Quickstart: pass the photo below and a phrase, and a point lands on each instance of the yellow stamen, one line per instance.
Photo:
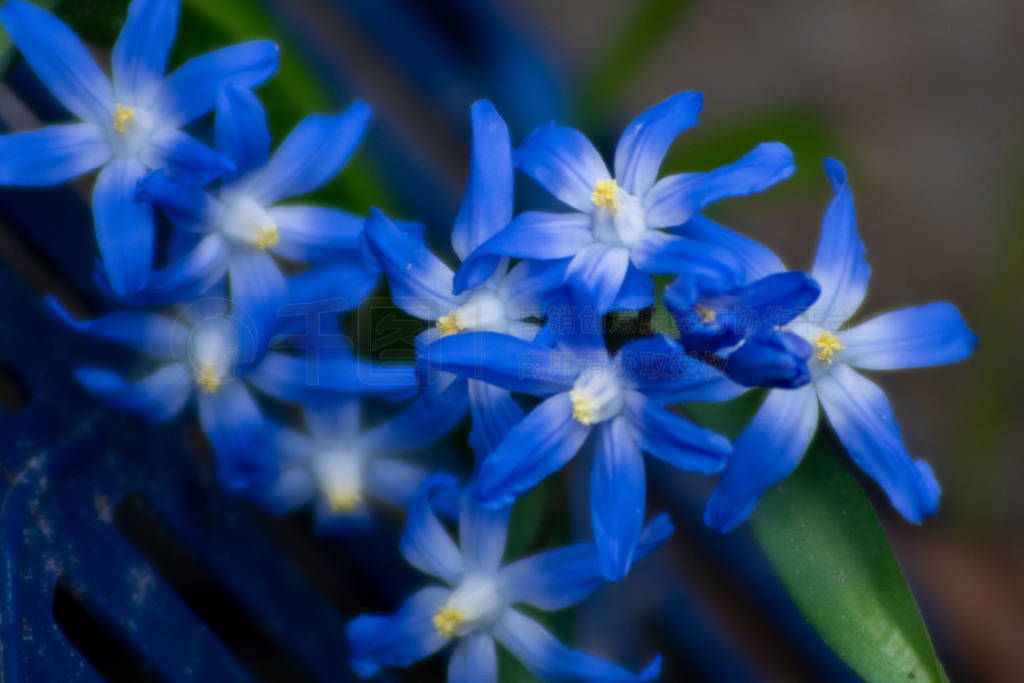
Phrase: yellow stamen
(606, 195)
(707, 315)
(583, 409)
(122, 117)
(447, 620)
(449, 324)
(343, 501)
(209, 380)
(266, 237)
(828, 345)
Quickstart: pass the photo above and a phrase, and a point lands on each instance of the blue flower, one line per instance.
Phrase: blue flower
(617, 402)
(242, 223)
(475, 607)
(614, 240)
(501, 301)
(341, 465)
(127, 127)
(775, 441)
(217, 355)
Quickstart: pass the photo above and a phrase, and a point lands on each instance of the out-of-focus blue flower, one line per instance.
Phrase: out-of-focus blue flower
(215, 353)
(775, 441)
(618, 402)
(614, 241)
(503, 298)
(475, 607)
(126, 127)
(341, 466)
(242, 223)
(742, 327)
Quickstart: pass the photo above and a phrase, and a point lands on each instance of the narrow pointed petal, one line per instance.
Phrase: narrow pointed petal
(636, 293)
(293, 488)
(239, 435)
(52, 155)
(711, 267)
(839, 266)
(185, 158)
(325, 375)
(124, 227)
(863, 419)
(546, 439)
(618, 496)
(548, 659)
(141, 51)
(313, 233)
(425, 543)
(487, 205)
(662, 370)
(191, 90)
(503, 360)
(332, 288)
(646, 140)
(61, 61)
(758, 261)
(150, 333)
(674, 439)
(527, 285)
(596, 275)
(156, 398)
(565, 162)
(474, 660)
(530, 235)
(311, 155)
(400, 639)
(393, 481)
(675, 199)
(482, 533)
(421, 284)
(241, 129)
(774, 359)
(258, 292)
(767, 451)
(421, 423)
(194, 274)
(186, 205)
(922, 336)
(494, 412)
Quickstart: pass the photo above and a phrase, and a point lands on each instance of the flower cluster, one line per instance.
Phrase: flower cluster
(234, 319)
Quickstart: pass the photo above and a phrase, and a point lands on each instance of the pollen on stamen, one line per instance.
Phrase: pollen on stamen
(209, 380)
(583, 409)
(449, 324)
(123, 116)
(447, 619)
(606, 195)
(828, 345)
(266, 237)
(343, 501)
(707, 315)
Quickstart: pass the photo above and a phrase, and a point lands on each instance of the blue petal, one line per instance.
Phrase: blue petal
(487, 205)
(675, 199)
(190, 276)
(150, 333)
(185, 204)
(340, 421)
(184, 157)
(922, 336)
(426, 544)
(140, 54)
(565, 162)
(636, 293)
(124, 227)
(767, 451)
(258, 292)
(530, 235)
(674, 439)
(494, 413)
(758, 261)
(503, 360)
(421, 423)
(311, 155)
(401, 639)
(156, 398)
(316, 297)
(546, 439)
(293, 488)
(774, 359)
(560, 578)
(618, 496)
(646, 140)
(238, 433)
(421, 285)
(474, 660)
(312, 233)
(864, 422)
(710, 266)
(61, 61)
(596, 275)
(317, 377)
(191, 90)
(241, 129)
(661, 370)
(482, 533)
(548, 659)
(51, 155)
(392, 481)
(839, 266)
(526, 286)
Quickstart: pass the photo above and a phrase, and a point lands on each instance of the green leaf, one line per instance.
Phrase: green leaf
(822, 535)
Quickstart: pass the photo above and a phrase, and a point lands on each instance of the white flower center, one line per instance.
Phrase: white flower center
(246, 222)
(213, 352)
(826, 343)
(618, 219)
(597, 395)
(130, 130)
(339, 473)
(484, 311)
(476, 604)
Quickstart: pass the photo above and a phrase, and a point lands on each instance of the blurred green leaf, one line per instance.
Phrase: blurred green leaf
(827, 545)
